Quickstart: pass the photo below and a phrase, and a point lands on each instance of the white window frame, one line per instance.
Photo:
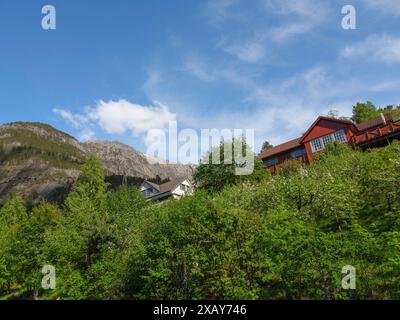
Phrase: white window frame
(340, 136)
(316, 145)
(320, 143)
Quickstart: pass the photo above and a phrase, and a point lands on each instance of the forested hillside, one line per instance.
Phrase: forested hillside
(286, 236)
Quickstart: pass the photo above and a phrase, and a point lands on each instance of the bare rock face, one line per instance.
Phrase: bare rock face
(38, 161)
(121, 159)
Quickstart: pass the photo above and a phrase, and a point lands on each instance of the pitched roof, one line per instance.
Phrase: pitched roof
(154, 185)
(292, 144)
(323, 118)
(168, 186)
(380, 120)
(171, 185)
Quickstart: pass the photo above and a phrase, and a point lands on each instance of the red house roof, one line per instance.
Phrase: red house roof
(292, 144)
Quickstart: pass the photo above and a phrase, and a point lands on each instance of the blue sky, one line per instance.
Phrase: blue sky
(115, 69)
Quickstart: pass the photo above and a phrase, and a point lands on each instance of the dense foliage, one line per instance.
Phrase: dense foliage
(367, 111)
(219, 167)
(282, 237)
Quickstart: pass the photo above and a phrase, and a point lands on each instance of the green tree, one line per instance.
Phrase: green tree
(28, 245)
(12, 215)
(78, 241)
(364, 112)
(394, 111)
(266, 146)
(197, 248)
(218, 168)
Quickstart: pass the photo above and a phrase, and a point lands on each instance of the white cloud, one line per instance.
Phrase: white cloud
(118, 117)
(380, 48)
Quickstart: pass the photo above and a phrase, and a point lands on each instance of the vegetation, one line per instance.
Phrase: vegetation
(266, 146)
(282, 237)
(218, 168)
(19, 145)
(367, 111)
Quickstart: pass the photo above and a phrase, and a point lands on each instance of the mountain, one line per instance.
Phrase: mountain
(38, 161)
(121, 159)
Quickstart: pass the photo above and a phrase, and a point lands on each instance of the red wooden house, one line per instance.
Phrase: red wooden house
(374, 133)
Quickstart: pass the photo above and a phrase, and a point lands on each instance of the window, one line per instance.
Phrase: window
(340, 136)
(327, 139)
(148, 192)
(316, 145)
(320, 143)
(298, 153)
(270, 162)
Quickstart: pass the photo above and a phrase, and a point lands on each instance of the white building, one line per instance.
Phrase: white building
(175, 189)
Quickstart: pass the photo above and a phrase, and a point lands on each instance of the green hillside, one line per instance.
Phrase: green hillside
(287, 236)
(20, 141)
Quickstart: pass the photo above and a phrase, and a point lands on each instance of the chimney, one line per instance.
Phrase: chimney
(383, 118)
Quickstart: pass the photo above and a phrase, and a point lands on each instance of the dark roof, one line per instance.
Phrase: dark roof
(376, 122)
(168, 186)
(154, 185)
(171, 185)
(292, 144)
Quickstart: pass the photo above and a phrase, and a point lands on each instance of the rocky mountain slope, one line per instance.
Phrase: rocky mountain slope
(121, 159)
(37, 160)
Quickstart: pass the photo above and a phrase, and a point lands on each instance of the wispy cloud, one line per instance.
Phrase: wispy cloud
(276, 23)
(299, 16)
(152, 81)
(380, 48)
(391, 7)
(386, 86)
(79, 122)
(291, 103)
(198, 68)
(76, 120)
(218, 11)
(251, 50)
